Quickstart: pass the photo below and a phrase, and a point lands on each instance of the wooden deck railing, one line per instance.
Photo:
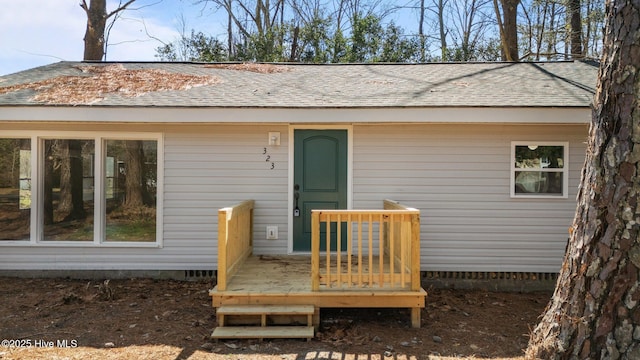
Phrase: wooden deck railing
(382, 248)
(235, 239)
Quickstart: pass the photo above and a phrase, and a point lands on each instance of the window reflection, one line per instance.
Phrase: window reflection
(539, 157)
(68, 190)
(15, 189)
(539, 169)
(131, 190)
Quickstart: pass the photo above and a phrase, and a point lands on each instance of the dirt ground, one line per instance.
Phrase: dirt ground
(161, 319)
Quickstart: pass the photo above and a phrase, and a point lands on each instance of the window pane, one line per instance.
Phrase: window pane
(15, 189)
(539, 157)
(68, 190)
(538, 182)
(131, 190)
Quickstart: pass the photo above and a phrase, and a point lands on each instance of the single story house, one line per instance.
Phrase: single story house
(123, 166)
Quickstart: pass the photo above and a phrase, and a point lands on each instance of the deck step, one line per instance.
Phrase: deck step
(261, 332)
(267, 314)
(266, 309)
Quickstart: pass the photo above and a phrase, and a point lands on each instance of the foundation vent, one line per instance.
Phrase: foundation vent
(199, 274)
(475, 275)
(494, 281)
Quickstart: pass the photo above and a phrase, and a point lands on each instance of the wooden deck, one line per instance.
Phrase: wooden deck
(379, 269)
(284, 280)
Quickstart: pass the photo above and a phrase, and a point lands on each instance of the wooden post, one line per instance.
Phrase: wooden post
(381, 231)
(315, 250)
(222, 249)
(359, 250)
(349, 249)
(415, 252)
(392, 260)
(403, 245)
(370, 250)
(338, 249)
(328, 249)
(415, 317)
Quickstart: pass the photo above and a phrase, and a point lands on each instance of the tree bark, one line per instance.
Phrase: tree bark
(576, 29)
(594, 312)
(508, 27)
(421, 33)
(443, 32)
(94, 43)
(65, 204)
(94, 34)
(133, 183)
(510, 13)
(232, 51)
(71, 173)
(48, 186)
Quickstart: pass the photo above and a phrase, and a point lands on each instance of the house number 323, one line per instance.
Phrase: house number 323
(272, 164)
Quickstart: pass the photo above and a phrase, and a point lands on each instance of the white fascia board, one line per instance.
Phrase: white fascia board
(510, 115)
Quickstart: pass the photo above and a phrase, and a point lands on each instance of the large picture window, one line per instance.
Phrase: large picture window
(80, 189)
(539, 169)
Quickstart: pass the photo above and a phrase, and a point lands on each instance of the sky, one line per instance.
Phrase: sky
(40, 32)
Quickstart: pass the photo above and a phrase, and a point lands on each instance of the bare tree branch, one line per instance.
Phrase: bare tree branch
(119, 8)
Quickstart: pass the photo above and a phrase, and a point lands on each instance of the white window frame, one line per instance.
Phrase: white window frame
(99, 224)
(564, 170)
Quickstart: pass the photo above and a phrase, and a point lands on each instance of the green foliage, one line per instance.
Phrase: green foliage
(396, 47)
(339, 45)
(371, 42)
(198, 47)
(366, 36)
(267, 46)
(486, 51)
(315, 43)
(355, 31)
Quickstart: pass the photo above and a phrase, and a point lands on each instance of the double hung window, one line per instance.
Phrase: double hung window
(539, 169)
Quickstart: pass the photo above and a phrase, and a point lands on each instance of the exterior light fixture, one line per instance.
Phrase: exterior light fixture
(274, 138)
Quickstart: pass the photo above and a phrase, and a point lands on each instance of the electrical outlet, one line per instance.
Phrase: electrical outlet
(272, 232)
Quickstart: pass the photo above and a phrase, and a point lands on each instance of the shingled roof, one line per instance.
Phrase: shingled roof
(552, 84)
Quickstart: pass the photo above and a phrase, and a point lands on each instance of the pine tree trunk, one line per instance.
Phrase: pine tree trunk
(65, 203)
(421, 33)
(231, 54)
(510, 12)
(576, 29)
(76, 181)
(508, 27)
(594, 312)
(48, 187)
(443, 33)
(133, 182)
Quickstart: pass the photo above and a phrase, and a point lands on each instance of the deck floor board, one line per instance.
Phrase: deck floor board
(288, 274)
(269, 274)
(286, 280)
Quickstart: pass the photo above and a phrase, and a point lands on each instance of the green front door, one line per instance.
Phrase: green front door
(320, 180)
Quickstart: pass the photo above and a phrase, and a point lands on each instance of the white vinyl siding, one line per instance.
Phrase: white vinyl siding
(459, 177)
(211, 167)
